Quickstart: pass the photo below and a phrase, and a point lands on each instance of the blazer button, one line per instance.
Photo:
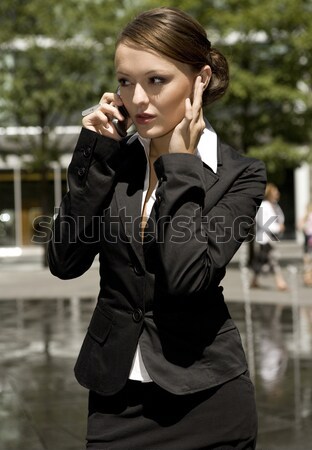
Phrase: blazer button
(137, 315)
(81, 171)
(137, 270)
(87, 152)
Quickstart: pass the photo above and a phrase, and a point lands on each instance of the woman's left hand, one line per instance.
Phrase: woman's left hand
(186, 134)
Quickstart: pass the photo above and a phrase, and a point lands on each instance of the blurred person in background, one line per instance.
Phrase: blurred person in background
(270, 225)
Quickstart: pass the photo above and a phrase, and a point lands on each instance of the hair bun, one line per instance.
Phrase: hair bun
(220, 76)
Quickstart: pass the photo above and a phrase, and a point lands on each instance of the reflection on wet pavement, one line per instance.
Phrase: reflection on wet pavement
(41, 404)
(283, 361)
(43, 407)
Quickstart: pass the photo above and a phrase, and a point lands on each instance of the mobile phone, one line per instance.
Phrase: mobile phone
(121, 125)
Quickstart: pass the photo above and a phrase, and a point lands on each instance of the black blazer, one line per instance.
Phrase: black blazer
(164, 292)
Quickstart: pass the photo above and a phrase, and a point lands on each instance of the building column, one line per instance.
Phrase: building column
(302, 194)
(57, 184)
(18, 206)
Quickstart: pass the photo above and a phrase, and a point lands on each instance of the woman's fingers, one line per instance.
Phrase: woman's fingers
(99, 118)
(188, 132)
(198, 97)
(110, 102)
(198, 116)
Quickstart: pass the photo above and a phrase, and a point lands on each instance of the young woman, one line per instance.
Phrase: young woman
(270, 225)
(165, 208)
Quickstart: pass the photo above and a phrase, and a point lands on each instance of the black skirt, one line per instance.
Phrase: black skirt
(143, 416)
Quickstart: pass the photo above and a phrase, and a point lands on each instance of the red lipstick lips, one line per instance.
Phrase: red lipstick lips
(143, 119)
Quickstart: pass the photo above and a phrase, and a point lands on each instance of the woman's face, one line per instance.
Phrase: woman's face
(153, 88)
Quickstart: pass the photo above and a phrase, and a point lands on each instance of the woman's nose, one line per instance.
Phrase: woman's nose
(139, 95)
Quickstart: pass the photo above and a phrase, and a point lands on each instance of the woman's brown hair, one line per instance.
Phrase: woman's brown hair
(175, 34)
(270, 191)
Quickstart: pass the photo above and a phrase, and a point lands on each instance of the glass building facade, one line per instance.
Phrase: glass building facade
(24, 196)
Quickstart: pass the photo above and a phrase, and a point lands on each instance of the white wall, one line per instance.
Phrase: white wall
(302, 193)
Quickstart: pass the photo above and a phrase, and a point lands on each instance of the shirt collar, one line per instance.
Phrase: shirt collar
(206, 148)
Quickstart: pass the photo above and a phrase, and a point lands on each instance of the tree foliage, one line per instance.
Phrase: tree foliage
(267, 110)
(57, 57)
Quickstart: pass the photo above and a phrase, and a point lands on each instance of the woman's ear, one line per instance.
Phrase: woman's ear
(205, 74)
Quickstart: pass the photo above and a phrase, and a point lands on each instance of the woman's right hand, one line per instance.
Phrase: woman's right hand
(100, 120)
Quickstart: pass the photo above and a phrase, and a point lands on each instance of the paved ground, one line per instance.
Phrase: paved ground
(24, 277)
(43, 321)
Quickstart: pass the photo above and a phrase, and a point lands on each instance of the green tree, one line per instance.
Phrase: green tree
(267, 111)
(56, 58)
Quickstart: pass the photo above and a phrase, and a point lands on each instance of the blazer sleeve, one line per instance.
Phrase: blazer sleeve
(75, 234)
(195, 245)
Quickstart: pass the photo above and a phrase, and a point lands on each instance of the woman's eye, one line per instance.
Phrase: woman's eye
(123, 82)
(157, 80)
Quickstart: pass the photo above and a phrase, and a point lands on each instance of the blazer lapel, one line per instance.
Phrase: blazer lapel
(150, 231)
(129, 190)
(211, 178)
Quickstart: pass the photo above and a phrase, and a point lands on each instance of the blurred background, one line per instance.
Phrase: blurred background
(56, 59)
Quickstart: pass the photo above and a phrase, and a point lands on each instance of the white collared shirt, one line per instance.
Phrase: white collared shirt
(207, 151)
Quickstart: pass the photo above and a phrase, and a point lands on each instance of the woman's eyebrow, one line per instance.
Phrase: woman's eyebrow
(121, 72)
